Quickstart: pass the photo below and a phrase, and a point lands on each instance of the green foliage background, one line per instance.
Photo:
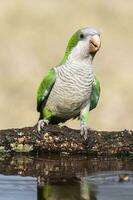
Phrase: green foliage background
(33, 38)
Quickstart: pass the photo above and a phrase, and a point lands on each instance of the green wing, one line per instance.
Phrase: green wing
(95, 94)
(45, 88)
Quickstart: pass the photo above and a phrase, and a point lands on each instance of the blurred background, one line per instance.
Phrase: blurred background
(33, 38)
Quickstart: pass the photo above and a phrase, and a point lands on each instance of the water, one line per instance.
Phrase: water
(17, 187)
(101, 186)
(65, 178)
(109, 186)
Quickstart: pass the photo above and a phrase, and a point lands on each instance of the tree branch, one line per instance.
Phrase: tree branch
(55, 139)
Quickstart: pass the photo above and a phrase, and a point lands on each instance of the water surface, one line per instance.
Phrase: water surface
(17, 187)
(65, 177)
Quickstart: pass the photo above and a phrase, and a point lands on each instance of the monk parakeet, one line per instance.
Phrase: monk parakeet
(70, 90)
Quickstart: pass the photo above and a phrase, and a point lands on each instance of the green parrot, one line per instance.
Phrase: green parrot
(70, 90)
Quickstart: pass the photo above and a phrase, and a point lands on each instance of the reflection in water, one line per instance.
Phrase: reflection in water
(100, 186)
(68, 177)
(55, 168)
(72, 189)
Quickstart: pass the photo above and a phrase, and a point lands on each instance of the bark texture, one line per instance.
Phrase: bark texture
(55, 139)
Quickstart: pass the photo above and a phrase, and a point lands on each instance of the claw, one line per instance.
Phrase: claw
(84, 131)
(41, 124)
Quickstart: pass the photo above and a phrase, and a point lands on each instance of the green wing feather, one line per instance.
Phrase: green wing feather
(45, 88)
(95, 94)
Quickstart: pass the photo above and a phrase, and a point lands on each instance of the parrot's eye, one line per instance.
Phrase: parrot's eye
(82, 36)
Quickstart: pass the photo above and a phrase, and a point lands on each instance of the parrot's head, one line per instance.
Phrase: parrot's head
(83, 44)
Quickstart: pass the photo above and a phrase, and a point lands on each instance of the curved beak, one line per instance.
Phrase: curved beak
(95, 43)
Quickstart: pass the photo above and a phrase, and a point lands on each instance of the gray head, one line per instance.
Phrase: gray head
(83, 43)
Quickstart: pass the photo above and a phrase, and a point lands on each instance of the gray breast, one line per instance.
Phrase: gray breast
(71, 91)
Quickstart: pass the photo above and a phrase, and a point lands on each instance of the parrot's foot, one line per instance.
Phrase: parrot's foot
(84, 131)
(41, 124)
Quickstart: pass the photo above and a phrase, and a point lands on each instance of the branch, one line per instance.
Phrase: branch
(56, 139)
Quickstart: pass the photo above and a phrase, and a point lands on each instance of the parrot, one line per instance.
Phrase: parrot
(71, 89)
